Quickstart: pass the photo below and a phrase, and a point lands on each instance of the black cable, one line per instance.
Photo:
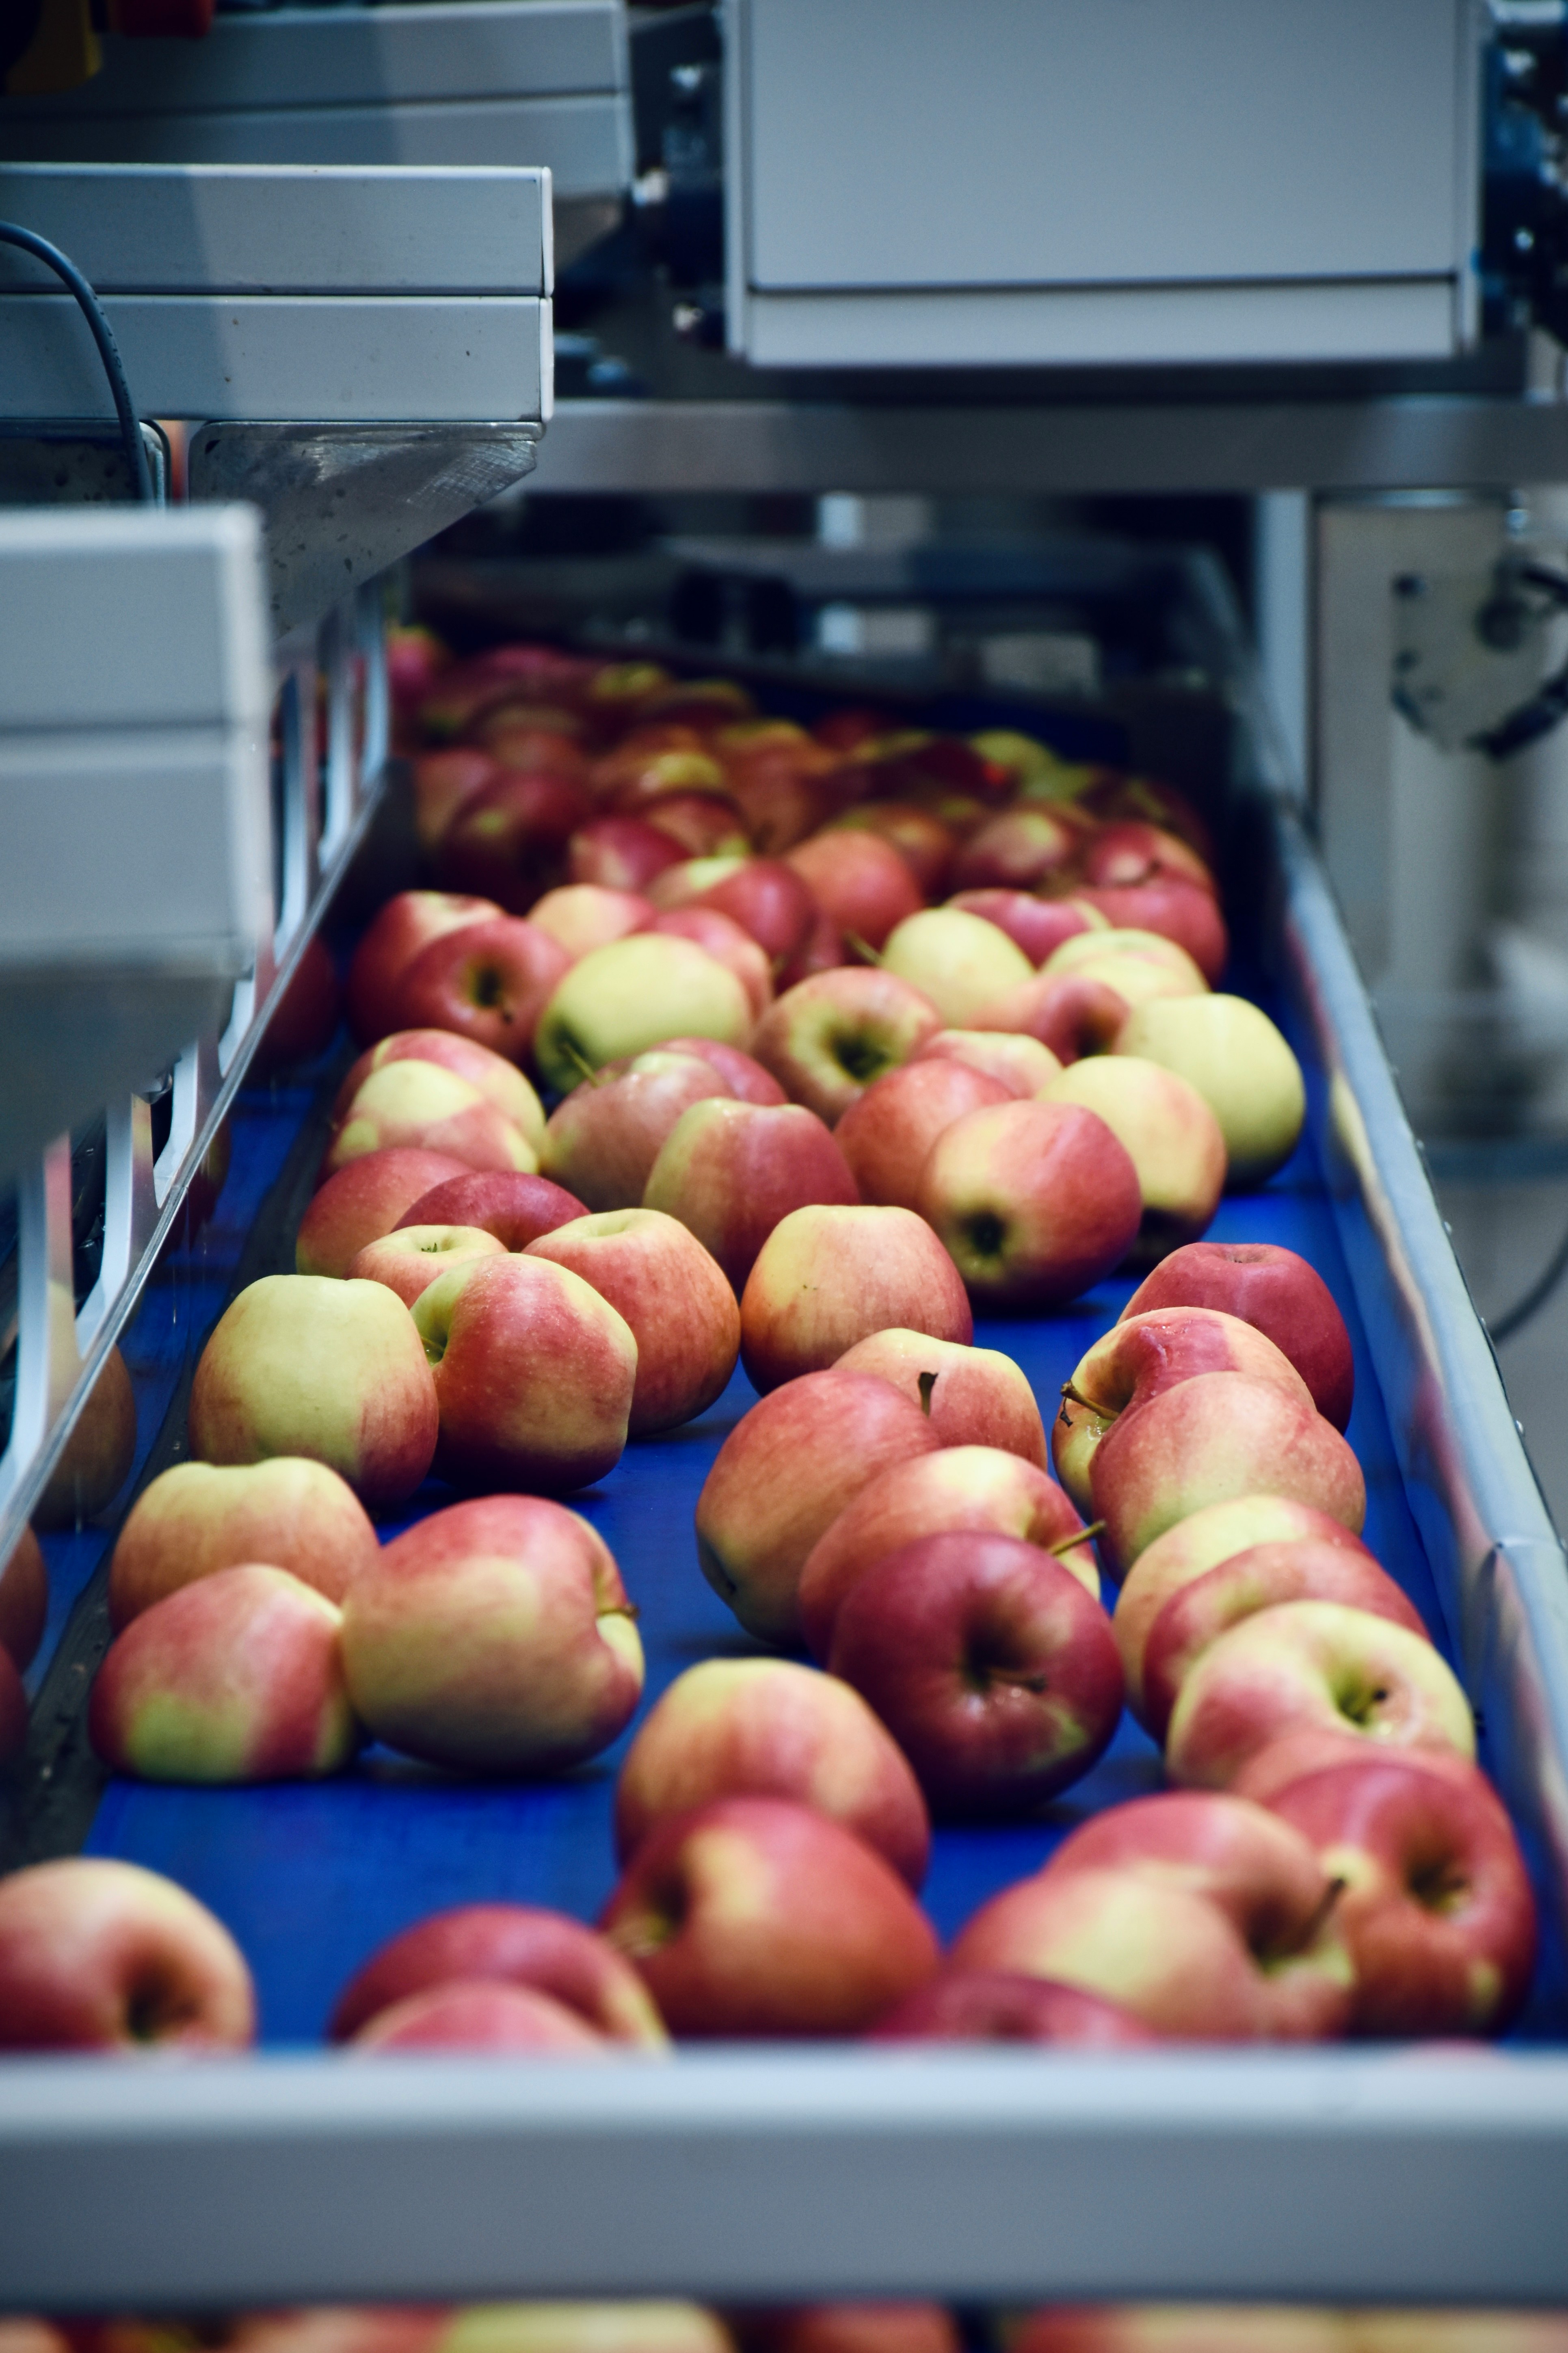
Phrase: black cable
(1531, 1301)
(108, 350)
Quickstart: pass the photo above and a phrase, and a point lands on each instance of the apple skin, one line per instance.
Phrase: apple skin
(1313, 1748)
(1004, 2006)
(697, 825)
(853, 2328)
(1033, 1201)
(495, 1637)
(101, 1446)
(584, 915)
(603, 1140)
(405, 925)
(1069, 1013)
(1273, 1289)
(501, 1080)
(509, 838)
(978, 1396)
(1230, 1051)
(768, 899)
(1021, 1064)
(1436, 1909)
(757, 1518)
(443, 781)
(824, 949)
(746, 1079)
(299, 1363)
(1313, 1664)
(1018, 850)
(486, 981)
(235, 1678)
(533, 1375)
(24, 1600)
(420, 1107)
(974, 1490)
(1258, 1580)
(732, 1171)
(411, 1258)
(751, 1916)
(1139, 966)
(826, 1277)
(1218, 1436)
(770, 1729)
(1179, 911)
(1171, 1136)
(619, 854)
(722, 938)
(674, 1298)
(303, 1021)
(859, 882)
(102, 1956)
(618, 2328)
(1235, 2328)
(506, 1944)
(961, 961)
(1130, 852)
(926, 845)
(15, 1714)
(364, 1200)
(513, 1206)
(1038, 926)
(885, 1136)
(196, 1518)
(827, 1037)
(622, 999)
(458, 2016)
(988, 1662)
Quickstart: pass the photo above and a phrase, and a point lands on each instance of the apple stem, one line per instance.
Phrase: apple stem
(863, 948)
(1078, 1535)
(927, 1383)
(1319, 1919)
(1078, 1398)
(592, 1077)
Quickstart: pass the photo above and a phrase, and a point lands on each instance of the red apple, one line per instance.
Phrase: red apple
(508, 839)
(921, 840)
(855, 2329)
(364, 1200)
(621, 999)
(1130, 850)
(972, 1397)
(698, 825)
(826, 1277)
(499, 1080)
(1035, 1201)
(1018, 850)
(303, 1021)
(602, 1142)
(481, 2017)
(675, 1302)
(732, 1171)
(418, 1106)
(486, 981)
(195, 1518)
(751, 1916)
(443, 781)
(824, 949)
(514, 1208)
(24, 1600)
(1273, 1289)
(100, 1956)
(1038, 926)
(825, 1040)
(1003, 2005)
(411, 1258)
(1071, 1013)
(1171, 1135)
(14, 1711)
(1313, 1748)
(405, 926)
(102, 1447)
(619, 854)
(505, 1944)
(746, 1079)
(859, 882)
(1022, 1065)
(727, 944)
(887, 1134)
(1185, 912)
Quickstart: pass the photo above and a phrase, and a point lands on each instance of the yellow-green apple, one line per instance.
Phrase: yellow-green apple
(1313, 1664)
(302, 1020)
(604, 1137)
(533, 1374)
(1038, 926)
(859, 882)
(1005, 2006)
(301, 1364)
(405, 926)
(722, 938)
(495, 1636)
(1018, 850)
(1171, 1135)
(584, 915)
(480, 2016)
(826, 1277)
(1298, 1569)
(411, 1258)
(619, 854)
(620, 1000)
(487, 981)
(770, 1729)
(1230, 1051)
(732, 1171)
(674, 1297)
(514, 1208)
(509, 838)
(1137, 1360)
(753, 1916)
(620, 2327)
(237, 1677)
(1278, 1291)
(926, 845)
(959, 961)
(972, 1489)
(420, 1107)
(102, 1447)
(1033, 1201)
(364, 1200)
(195, 1518)
(1069, 1013)
(494, 1076)
(759, 1515)
(1435, 1905)
(885, 1136)
(972, 1397)
(505, 1944)
(1021, 1064)
(1183, 912)
(1219, 1435)
(100, 1956)
(829, 1036)
(993, 1669)
(748, 1082)
(766, 897)
(855, 2329)
(1215, 1533)
(1139, 966)
(24, 1600)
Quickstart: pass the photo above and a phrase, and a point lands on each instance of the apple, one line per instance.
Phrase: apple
(770, 1729)
(24, 1600)
(533, 1375)
(1436, 1904)
(364, 1200)
(301, 1364)
(1230, 1051)
(102, 1447)
(411, 1258)
(1312, 1748)
(993, 1669)
(486, 981)
(782, 801)
(405, 926)
(1004, 2006)
(621, 2328)
(972, 1397)
(584, 915)
(101, 1955)
(1171, 1135)
(827, 1037)
(501, 1080)
(1021, 1064)
(648, 777)
(766, 896)
(459, 2016)
(859, 882)
(746, 1079)
(676, 1301)
(1033, 1201)
(14, 1715)
(198, 1518)
(1068, 1012)
(698, 825)
(1235, 2328)
(1273, 1288)
(234, 1678)
(827, 1276)
(1129, 851)
(855, 2329)
(302, 1020)
(508, 841)
(824, 949)
(751, 1916)
(758, 1518)
(1183, 912)
(1038, 926)
(958, 960)
(1307, 1665)
(619, 854)
(886, 1135)
(732, 1171)
(724, 940)
(1018, 849)
(1139, 966)
(1218, 1435)
(620, 1000)
(443, 781)
(513, 1206)
(971, 1489)
(921, 840)
(1259, 1578)
(422, 1107)
(603, 1140)
(495, 1637)
(505, 1944)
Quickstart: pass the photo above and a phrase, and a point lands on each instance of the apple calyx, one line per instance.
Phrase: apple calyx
(926, 1384)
